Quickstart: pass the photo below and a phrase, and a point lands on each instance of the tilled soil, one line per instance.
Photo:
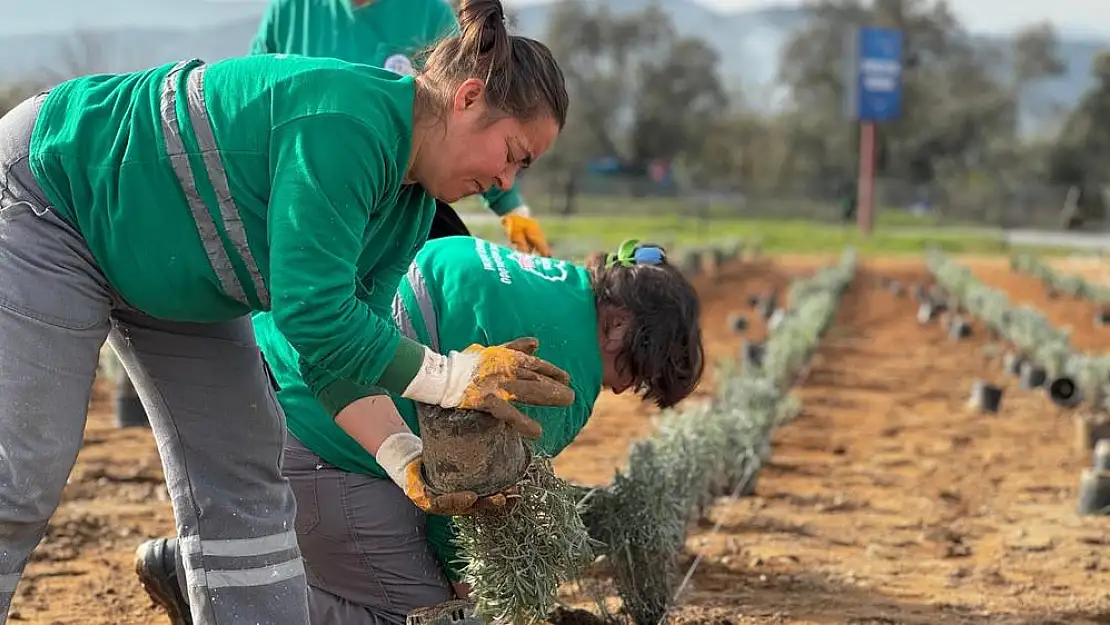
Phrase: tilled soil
(886, 501)
(889, 501)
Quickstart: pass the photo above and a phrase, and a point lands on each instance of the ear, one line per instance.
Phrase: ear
(614, 325)
(469, 95)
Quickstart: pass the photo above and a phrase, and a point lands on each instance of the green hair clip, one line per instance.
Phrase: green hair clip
(631, 253)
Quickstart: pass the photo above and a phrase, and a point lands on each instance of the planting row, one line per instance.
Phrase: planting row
(706, 451)
(1044, 357)
(1035, 340)
(1056, 283)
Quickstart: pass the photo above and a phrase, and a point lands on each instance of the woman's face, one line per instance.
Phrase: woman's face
(477, 151)
(612, 324)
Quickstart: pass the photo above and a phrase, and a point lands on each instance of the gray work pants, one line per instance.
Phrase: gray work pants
(365, 549)
(364, 545)
(218, 426)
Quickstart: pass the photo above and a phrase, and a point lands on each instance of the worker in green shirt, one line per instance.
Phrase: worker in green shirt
(384, 33)
(390, 34)
(371, 556)
(165, 206)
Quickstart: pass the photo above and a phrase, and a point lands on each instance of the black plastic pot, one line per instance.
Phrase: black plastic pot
(768, 305)
(130, 412)
(1012, 363)
(454, 612)
(1032, 376)
(737, 323)
(1064, 392)
(469, 450)
(1102, 317)
(926, 312)
(958, 328)
(1090, 428)
(1102, 455)
(1094, 492)
(752, 352)
(985, 397)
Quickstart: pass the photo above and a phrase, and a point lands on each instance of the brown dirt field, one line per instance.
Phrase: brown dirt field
(1095, 268)
(885, 502)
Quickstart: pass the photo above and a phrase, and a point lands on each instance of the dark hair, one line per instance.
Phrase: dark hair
(663, 348)
(523, 79)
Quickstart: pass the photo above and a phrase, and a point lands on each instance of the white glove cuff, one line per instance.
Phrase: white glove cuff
(522, 210)
(396, 452)
(442, 380)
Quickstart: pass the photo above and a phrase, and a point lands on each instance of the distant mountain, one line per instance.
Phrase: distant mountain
(66, 16)
(96, 38)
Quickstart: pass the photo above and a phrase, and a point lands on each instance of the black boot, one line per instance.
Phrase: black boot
(156, 566)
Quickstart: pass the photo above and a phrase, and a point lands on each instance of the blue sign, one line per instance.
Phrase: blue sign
(875, 74)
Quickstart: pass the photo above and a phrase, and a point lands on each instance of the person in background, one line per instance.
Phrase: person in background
(161, 208)
(391, 34)
(631, 322)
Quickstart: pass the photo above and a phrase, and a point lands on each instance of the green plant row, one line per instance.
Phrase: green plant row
(1071, 284)
(1025, 327)
(705, 451)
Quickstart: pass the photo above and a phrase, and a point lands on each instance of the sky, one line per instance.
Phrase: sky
(1073, 17)
(991, 16)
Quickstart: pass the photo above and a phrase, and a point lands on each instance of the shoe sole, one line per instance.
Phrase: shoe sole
(159, 591)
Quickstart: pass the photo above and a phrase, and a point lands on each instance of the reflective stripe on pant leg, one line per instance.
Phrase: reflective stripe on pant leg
(221, 432)
(206, 227)
(229, 212)
(424, 302)
(242, 562)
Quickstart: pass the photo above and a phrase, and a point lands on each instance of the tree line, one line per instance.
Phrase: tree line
(643, 93)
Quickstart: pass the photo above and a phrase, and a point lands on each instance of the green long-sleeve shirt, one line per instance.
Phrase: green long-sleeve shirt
(382, 33)
(206, 192)
(460, 291)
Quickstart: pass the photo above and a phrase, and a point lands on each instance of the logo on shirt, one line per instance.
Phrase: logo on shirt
(550, 269)
(494, 259)
(399, 64)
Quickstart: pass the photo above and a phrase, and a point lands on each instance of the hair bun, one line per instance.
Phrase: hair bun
(483, 23)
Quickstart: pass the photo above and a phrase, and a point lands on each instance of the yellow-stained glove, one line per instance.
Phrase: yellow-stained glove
(401, 455)
(524, 232)
(453, 504)
(488, 378)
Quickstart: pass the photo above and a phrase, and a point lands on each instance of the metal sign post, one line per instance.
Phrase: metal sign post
(874, 96)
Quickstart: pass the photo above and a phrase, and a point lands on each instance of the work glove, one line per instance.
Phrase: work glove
(509, 372)
(401, 455)
(524, 232)
(488, 378)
